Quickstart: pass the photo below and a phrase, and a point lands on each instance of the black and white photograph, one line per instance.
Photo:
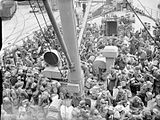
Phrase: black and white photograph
(80, 59)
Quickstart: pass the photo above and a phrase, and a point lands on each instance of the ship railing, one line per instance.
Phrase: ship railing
(152, 13)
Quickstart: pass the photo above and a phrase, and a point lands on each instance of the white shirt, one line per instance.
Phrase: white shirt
(66, 112)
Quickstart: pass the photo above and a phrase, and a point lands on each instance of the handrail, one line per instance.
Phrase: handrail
(150, 11)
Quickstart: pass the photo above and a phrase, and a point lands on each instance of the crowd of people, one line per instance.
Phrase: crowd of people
(130, 91)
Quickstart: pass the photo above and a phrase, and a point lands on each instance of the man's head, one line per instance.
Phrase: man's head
(123, 83)
(149, 96)
(136, 101)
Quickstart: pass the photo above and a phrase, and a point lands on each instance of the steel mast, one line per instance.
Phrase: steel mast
(67, 16)
(69, 43)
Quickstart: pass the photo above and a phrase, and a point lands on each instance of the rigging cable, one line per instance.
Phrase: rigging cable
(38, 23)
(139, 19)
(44, 18)
(145, 9)
(42, 13)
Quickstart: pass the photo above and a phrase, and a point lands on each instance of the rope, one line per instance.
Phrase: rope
(42, 13)
(139, 19)
(145, 8)
(38, 23)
